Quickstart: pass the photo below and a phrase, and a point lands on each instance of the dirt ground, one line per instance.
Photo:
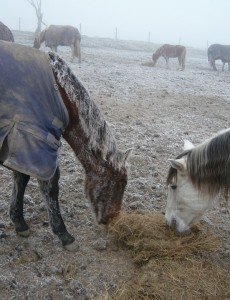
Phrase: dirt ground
(151, 110)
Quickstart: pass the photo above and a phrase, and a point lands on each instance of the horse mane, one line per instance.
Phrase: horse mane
(208, 165)
(100, 139)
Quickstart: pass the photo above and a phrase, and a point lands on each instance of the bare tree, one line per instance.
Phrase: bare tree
(37, 5)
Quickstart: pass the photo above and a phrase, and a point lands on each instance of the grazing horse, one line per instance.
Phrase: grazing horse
(5, 33)
(217, 51)
(195, 179)
(41, 101)
(168, 51)
(60, 35)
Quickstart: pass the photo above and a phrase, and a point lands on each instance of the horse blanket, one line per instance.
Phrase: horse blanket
(32, 114)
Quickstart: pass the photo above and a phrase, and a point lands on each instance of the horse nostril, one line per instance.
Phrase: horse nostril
(173, 224)
(103, 222)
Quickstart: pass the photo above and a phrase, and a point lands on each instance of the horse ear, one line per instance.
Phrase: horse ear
(127, 154)
(178, 164)
(188, 145)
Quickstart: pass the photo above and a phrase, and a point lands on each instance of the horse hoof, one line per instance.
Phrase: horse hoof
(24, 233)
(71, 247)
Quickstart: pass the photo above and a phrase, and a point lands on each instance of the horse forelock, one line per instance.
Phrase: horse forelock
(208, 164)
(101, 141)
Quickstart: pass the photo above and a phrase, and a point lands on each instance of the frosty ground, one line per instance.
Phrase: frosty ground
(151, 110)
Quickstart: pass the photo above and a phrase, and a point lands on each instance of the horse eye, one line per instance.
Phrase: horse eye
(173, 186)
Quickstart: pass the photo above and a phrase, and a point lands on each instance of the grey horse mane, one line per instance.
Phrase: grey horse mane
(101, 141)
(208, 165)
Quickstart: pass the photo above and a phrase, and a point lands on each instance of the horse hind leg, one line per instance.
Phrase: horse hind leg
(50, 191)
(73, 54)
(183, 64)
(16, 206)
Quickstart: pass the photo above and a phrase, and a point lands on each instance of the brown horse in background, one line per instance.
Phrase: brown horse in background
(60, 35)
(173, 51)
(5, 33)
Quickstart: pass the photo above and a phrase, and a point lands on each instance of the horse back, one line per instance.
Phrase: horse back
(174, 50)
(218, 51)
(61, 35)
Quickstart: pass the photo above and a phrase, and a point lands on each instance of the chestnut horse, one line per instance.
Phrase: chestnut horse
(173, 51)
(60, 35)
(195, 179)
(29, 80)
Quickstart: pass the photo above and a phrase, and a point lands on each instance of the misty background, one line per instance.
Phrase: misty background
(195, 23)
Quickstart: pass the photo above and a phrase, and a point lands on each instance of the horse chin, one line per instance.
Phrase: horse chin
(178, 225)
(105, 218)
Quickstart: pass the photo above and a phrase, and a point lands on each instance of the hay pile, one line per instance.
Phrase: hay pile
(147, 236)
(148, 64)
(168, 266)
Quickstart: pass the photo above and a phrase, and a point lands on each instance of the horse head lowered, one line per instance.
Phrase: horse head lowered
(195, 179)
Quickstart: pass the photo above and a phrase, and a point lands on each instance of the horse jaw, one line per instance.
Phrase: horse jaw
(185, 203)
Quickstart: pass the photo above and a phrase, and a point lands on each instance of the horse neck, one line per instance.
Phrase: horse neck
(77, 139)
(157, 54)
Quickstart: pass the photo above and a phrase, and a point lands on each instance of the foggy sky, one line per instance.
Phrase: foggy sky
(189, 22)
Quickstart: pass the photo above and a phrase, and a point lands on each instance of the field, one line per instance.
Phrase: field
(151, 110)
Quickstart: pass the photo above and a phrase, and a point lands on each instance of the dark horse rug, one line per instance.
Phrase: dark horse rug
(32, 114)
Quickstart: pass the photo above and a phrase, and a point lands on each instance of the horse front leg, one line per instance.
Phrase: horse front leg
(16, 206)
(214, 65)
(50, 191)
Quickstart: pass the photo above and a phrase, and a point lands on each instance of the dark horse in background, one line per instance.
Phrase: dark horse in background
(171, 51)
(219, 52)
(60, 35)
(5, 33)
(41, 101)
